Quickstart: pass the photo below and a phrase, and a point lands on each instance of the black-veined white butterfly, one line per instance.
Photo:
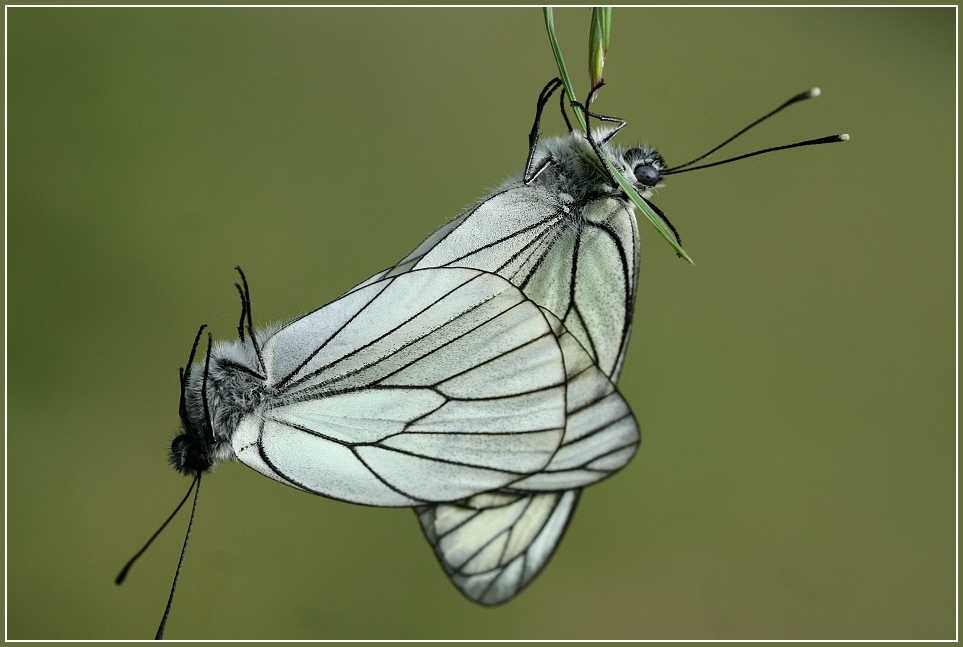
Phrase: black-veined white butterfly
(566, 235)
(435, 385)
(431, 386)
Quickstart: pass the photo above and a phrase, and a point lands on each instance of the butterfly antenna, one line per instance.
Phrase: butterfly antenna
(830, 139)
(183, 373)
(530, 171)
(802, 96)
(123, 572)
(180, 562)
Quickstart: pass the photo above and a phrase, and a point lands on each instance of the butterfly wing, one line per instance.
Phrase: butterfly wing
(493, 545)
(431, 386)
(579, 264)
(601, 434)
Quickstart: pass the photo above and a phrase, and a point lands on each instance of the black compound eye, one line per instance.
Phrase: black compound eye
(647, 174)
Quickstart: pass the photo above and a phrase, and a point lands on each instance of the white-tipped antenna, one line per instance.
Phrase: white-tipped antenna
(802, 96)
(830, 139)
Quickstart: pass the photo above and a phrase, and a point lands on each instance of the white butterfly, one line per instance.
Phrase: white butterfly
(431, 386)
(435, 385)
(566, 235)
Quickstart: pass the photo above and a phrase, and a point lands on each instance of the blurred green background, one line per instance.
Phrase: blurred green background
(795, 388)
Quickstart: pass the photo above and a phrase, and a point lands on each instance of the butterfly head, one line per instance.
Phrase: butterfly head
(645, 166)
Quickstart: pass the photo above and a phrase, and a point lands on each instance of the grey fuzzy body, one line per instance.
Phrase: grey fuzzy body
(236, 387)
(575, 183)
(576, 174)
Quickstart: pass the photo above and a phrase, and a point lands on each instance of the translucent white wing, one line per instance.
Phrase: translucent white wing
(493, 545)
(431, 386)
(580, 266)
(601, 434)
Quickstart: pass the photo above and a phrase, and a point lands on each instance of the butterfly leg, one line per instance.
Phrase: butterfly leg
(667, 222)
(245, 294)
(532, 171)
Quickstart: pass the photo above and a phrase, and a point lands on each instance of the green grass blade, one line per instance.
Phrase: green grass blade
(653, 217)
(562, 70)
(606, 27)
